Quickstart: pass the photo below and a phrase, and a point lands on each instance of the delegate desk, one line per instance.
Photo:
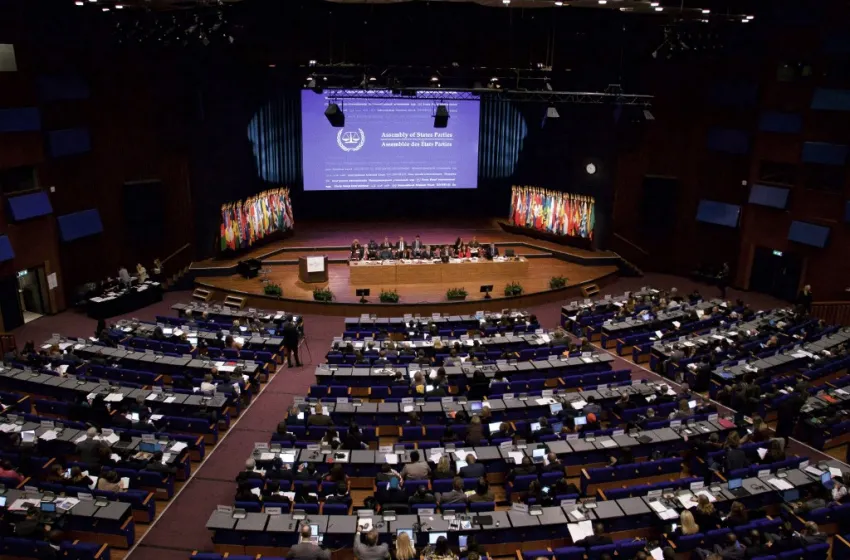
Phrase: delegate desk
(411, 322)
(663, 320)
(781, 362)
(554, 366)
(223, 312)
(433, 272)
(150, 361)
(498, 342)
(72, 389)
(125, 301)
(272, 344)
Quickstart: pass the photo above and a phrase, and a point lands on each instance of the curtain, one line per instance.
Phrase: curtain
(275, 132)
(501, 136)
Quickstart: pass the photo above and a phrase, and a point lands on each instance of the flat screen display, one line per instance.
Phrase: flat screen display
(29, 206)
(808, 234)
(719, 213)
(79, 224)
(775, 197)
(388, 142)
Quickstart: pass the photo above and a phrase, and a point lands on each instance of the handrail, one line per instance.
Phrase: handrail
(618, 236)
(833, 312)
(175, 253)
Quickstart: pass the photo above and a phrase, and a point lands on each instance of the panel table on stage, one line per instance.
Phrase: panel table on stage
(433, 272)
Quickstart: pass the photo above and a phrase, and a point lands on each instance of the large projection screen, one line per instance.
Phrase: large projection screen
(388, 142)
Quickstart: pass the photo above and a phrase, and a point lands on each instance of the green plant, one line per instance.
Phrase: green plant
(513, 289)
(272, 289)
(456, 293)
(323, 294)
(557, 282)
(388, 296)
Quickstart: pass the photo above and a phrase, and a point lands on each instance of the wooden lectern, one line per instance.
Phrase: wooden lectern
(313, 269)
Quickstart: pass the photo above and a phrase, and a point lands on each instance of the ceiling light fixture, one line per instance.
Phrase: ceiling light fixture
(659, 8)
(119, 6)
(603, 1)
(559, 3)
(79, 2)
(653, 4)
(751, 17)
(706, 11)
(506, 2)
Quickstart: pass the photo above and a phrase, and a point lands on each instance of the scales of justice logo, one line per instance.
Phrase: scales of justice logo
(350, 140)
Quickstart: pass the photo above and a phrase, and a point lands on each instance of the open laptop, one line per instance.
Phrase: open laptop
(409, 534)
(538, 456)
(581, 420)
(432, 537)
(736, 488)
(494, 427)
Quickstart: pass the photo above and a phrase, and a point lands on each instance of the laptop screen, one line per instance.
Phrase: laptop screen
(791, 495)
(581, 420)
(535, 426)
(538, 453)
(692, 404)
(48, 507)
(825, 477)
(555, 408)
(475, 407)
(432, 537)
(735, 483)
(494, 427)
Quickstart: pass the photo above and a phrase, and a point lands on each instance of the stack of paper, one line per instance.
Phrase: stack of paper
(579, 531)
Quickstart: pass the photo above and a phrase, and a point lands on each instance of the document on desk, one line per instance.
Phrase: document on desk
(267, 456)
(287, 457)
(517, 456)
(545, 401)
(578, 405)
(762, 451)
(170, 400)
(609, 443)
(83, 437)
(657, 506)
(708, 495)
(461, 454)
(686, 500)
(780, 484)
(812, 470)
(151, 396)
(112, 438)
(657, 553)
(391, 458)
(180, 446)
(49, 435)
(577, 514)
(114, 397)
(834, 472)
(579, 531)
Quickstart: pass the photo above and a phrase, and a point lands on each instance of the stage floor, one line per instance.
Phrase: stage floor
(540, 270)
(335, 234)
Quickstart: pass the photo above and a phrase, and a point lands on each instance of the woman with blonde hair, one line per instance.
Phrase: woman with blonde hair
(444, 468)
(705, 515)
(687, 525)
(404, 549)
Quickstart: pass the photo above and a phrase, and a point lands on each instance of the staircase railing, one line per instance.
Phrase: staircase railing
(833, 312)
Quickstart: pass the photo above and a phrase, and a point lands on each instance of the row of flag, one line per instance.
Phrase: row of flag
(554, 212)
(245, 222)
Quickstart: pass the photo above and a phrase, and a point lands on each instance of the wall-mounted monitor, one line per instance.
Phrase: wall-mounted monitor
(29, 206)
(808, 234)
(720, 213)
(79, 224)
(763, 195)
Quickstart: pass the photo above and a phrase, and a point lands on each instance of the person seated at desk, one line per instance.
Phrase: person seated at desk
(31, 527)
(505, 431)
(544, 430)
(77, 478)
(736, 458)
(705, 515)
(683, 412)
(592, 423)
(306, 549)
(491, 251)
(475, 432)
(279, 471)
(416, 469)
(687, 526)
(525, 468)
(390, 492)
(775, 453)
(422, 496)
(473, 468)
(386, 473)
(456, 495)
(482, 492)
(357, 252)
(598, 538)
(553, 464)
(401, 247)
(403, 549)
(249, 472)
(8, 471)
(319, 418)
(737, 516)
(339, 495)
(464, 252)
(444, 468)
(110, 482)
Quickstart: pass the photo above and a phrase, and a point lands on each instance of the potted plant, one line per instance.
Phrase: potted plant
(456, 294)
(388, 296)
(272, 289)
(513, 289)
(323, 294)
(557, 282)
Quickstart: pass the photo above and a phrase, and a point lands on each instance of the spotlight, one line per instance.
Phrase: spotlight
(506, 2)
(105, 9)
(706, 11)
(312, 63)
(659, 8)
(119, 6)
(552, 113)
(559, 3)
(441, 117)
(79, 2)
(603, 1)
(751, 17)
(653, 4)
(591, 169)
(435, 79)
(335, 115)
(647, 115)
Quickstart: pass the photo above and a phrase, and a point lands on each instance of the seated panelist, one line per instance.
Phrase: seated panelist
(386, 244)
(356, 251)
(401, 246)
(417, 244)
(373, 249)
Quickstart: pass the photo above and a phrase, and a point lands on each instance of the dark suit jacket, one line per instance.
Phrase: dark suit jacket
(308, 551)
(475, 470)
(594, 540)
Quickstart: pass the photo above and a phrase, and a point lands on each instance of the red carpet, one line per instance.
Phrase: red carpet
(182, 528)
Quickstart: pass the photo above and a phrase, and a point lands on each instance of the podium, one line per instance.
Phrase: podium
(313, 269)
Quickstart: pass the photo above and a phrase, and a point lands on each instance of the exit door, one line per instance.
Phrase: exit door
(776, 273)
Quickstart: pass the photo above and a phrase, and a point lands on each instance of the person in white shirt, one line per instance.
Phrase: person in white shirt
(124, 276)
(141, 272)
(207, 386)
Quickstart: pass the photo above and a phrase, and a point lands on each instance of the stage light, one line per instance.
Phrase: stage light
(119, 6)
(312, 63)
(654, 4)
(591, 169)
(659, 8)
(79, 2)
(751, 17)
(648, 115)
(435, 79)
(506, 2)
(552, 112)
(706, 11)
(105, 9)
(335, 115)
(559, 3)
(603, 1)
(441, 117)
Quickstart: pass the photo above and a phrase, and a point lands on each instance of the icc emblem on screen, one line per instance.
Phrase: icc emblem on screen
(350, 140)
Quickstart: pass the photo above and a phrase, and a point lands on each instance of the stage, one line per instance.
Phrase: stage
(540, 261)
